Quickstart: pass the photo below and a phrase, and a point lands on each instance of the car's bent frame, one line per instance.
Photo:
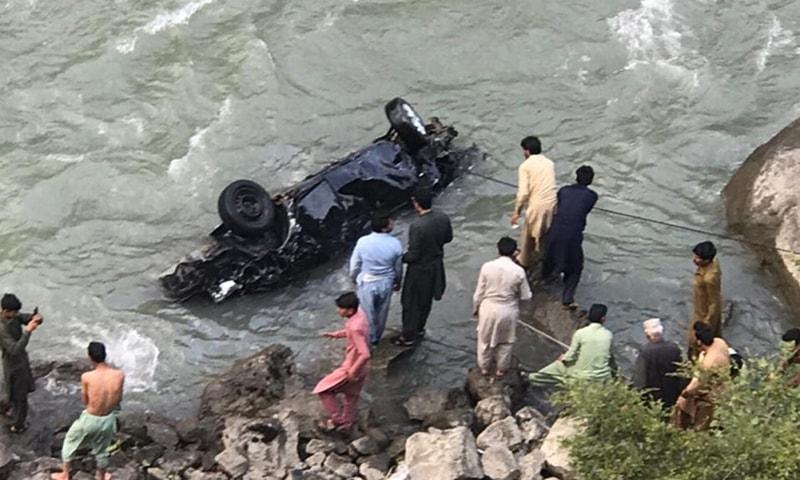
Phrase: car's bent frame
(265, 242)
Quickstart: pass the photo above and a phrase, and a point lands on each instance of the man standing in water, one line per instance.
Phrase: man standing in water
(564, 252)
(425, 277)
(349, 378)
(15, 332)
(101, 392)
(536, 190)
(376, 267)
(501, 285)
(707, 293)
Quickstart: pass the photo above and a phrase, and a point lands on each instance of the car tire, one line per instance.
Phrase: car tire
(408, 124)
(246, 208)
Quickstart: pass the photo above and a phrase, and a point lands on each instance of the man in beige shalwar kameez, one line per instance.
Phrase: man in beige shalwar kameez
(501, 285)
(536, 194)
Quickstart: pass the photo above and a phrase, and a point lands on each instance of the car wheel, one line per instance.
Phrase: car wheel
(408, 124)
(246, 208)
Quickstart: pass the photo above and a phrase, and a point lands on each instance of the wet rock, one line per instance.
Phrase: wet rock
(7, 459)
(425, 402)
(162, 433)
(176, 461)
(481, 387)
(499, 464)
(503, 432)
(189, 431)
(443, 454)
(340, 466)
(149, 454)
(251, 386)
(531, 465)
(557, 459)
(763, 203)
(490, 410)
(38, 469)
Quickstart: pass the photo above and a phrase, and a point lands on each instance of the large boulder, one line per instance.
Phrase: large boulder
(503, 432)
(259, 445)
(531, 465)
(491, 409)
(556, 454)
(763, 203)
(251, 386)
(443, 455)
(499, 464)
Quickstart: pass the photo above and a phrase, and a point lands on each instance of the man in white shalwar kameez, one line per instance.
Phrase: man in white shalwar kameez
(536, 194)
(501, 285)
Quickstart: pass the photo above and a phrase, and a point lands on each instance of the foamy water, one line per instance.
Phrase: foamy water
(778, 39)
(162, 22)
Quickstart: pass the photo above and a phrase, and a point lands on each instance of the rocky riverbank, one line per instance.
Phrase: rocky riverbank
(763, 204)
(257, 421)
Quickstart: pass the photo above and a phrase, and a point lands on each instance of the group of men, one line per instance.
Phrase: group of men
(101, 389)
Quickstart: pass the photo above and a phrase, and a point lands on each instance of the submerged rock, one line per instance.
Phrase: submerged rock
(763, 203)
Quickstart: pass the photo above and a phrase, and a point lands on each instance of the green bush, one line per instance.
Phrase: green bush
(754, 434)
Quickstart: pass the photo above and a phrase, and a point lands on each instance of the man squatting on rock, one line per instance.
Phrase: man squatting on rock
(501, 285)
(15, 333)
(349, 378)
(101, 392)
(376, 267)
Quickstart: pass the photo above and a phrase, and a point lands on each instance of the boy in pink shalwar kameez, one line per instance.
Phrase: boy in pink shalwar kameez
(349, 378)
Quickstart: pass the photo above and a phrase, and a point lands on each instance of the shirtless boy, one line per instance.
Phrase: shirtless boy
(101, 390)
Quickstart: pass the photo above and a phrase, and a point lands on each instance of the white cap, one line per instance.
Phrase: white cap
(653, 326)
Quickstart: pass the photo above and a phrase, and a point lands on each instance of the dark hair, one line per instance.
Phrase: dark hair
(792, 335)
(698, 326)
(531, 144)
(424, 197)
(597, 312)
(584, 175)
(380, 221)
(704, 336)
(705, 250)
(97, 352)
(10, 302)
(347, 300)
(506, 246)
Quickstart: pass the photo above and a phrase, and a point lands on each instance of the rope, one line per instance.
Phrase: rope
(658, 222)
(543, 334)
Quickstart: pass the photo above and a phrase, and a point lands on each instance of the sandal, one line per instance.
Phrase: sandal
(402, 342)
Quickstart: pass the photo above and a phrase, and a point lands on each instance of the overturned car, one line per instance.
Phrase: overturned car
(265, 241)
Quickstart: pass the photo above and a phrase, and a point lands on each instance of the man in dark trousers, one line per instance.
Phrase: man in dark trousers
(15, 332)
(425, 278)
(564, 250)
(655, 367)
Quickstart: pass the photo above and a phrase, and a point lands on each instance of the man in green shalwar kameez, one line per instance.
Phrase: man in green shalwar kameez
(589, 355)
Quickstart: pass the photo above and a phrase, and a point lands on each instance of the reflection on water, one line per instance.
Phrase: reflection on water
(122, 121)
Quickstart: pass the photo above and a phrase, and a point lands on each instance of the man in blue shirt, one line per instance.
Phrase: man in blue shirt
(376, 267)
(564, 250)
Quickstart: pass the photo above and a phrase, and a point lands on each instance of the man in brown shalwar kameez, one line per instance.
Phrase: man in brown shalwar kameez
(536, 194)
(501, 285)
(707, 293)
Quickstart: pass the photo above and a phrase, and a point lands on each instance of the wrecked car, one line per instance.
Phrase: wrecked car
(264, 241)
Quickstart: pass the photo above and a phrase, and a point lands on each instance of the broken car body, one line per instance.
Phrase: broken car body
(264, 242)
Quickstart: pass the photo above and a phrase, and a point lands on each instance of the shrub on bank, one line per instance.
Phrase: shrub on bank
(755, 434)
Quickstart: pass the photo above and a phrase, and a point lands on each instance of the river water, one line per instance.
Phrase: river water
(121, 121)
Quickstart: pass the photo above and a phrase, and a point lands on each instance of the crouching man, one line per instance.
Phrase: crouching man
(101, 390)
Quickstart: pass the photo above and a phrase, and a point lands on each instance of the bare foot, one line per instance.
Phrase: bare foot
(59, 476)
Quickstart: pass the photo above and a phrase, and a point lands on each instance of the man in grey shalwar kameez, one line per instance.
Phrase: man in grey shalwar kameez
(501, 285)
